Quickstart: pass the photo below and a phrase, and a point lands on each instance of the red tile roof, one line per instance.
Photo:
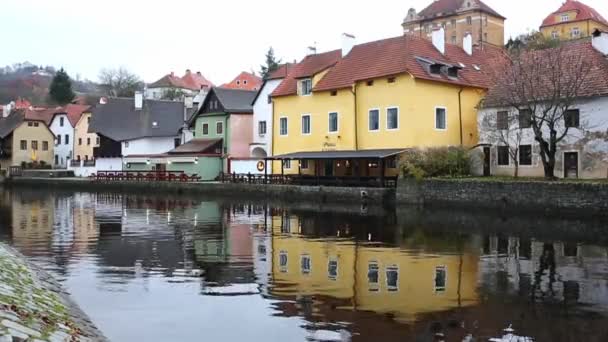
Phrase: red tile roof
(596, 82)
(41, 114)
(281, 72)
(244, 81)
(448, 7)
(196, 81)
(407, 54)
(170, 81)
(583, 12)
(74, 112)
(308, 67)
(22, 103)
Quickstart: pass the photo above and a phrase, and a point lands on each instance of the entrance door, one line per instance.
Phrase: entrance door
(329, 168)
(570, 164)
(161, 167)
(486, 162)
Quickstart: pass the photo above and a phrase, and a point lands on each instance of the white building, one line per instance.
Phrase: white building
(584, 151)
(262, 113)
(193, 85)
(64, 139)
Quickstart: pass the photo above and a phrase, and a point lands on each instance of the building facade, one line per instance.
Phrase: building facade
(458, 18)
(84, 142)
(244, 81)
(573, 20)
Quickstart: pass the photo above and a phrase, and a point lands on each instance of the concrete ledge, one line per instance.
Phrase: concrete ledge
(563, 197)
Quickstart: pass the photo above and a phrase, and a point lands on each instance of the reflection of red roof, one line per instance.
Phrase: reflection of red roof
(196, 81)
(244, 81)
(309, 66)
(583, 12)
(449, 7)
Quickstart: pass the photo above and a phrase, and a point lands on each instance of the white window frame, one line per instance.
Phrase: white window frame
(329, 261)
(445, 113)
(265, 127)
(216, 130)
(301, 82)
(309, 271)
(369, 121)
(374, 287)
(389, 287)
(387, 120)
(286, 126)
(337, 122)
(445, 285)
(578, 32)
(555, 35)
(203, 128)
(565, 17)
(283, 268)
(309, 124)
(287, 164)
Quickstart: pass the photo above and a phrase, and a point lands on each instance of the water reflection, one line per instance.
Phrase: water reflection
(163, 268)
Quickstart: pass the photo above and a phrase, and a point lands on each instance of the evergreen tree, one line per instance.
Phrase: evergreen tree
(60, 91)
(272, 63)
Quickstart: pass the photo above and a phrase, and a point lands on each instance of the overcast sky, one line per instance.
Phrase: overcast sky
(219, 38)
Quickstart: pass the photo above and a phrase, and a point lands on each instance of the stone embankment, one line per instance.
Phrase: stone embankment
(34, 307)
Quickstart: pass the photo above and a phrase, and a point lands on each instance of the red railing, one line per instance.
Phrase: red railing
(343, 181)
(145, 176)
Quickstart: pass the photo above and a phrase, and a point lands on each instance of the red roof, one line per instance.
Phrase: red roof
(170, 81)
(409, 54)
(244, 81)
(309, 66)
(449, 7)
(41, 114)
(196, 81)
(583, 12)
(281, 72)
(22, 103)
(74, 112)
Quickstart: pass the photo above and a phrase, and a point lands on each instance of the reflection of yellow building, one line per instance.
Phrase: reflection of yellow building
(573, 20)
(377, 279)
(32, 221)
(85, 228)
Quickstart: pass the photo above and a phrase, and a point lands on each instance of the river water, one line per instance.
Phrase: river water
(158, 268)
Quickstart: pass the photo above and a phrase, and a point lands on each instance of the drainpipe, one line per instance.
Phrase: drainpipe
(354, 91)
(460, 113)
(272, 120)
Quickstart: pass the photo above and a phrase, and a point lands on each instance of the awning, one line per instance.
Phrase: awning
(360, 154)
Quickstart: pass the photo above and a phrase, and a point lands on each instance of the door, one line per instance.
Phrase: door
(570, 164)
(486, 162)
(161, 167)
(329, 168)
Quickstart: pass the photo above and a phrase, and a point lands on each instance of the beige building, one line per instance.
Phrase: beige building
(573, 20)
(458, 18)
(84, 142)
(25, 139)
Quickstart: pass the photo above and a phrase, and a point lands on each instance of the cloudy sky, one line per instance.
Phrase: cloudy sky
(219, 38)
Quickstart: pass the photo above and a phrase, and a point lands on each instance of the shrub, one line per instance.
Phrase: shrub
(435, 162)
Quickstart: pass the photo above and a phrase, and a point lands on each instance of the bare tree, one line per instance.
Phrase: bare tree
(503, 129)
(119, 82)
(546, 83)
(173, 94)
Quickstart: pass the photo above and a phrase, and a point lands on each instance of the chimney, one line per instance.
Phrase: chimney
(600, 41)
(439, 40)
(312, 50)
(348, 42)
(199, 73)
(139, 100)
(467, 44)
(172, 74)
(188, 71)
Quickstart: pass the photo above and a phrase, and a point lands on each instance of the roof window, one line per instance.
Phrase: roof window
(435, 69)
(453, 71)
(154, 124)
(476, 67)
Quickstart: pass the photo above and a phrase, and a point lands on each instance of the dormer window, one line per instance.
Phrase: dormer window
(453, 72)
(435, 69)
(476, 67)
(565, 17)
(306, 87)
(154, 124)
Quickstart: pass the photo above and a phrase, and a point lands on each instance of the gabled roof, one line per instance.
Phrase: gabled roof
(583, 12)
(73, 112)
(199, 146)
(196, 81)
(282, 71)
(245, 81)
(42, 114)
(442, 8)
(120, 121)
(169, 81)
(308, 67)
(407, 54)
(234, 100)
(18, 116)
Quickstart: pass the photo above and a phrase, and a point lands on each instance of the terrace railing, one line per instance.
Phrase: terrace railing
(305, 180)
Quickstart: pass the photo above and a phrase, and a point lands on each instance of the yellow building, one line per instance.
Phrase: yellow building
(352, 112)
(573, 20)
(369, 278)
(25, 138)
(84, 142)
(458, 18)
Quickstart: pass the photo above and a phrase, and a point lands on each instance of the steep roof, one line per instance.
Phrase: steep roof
(44, 114)
(583, 12)
(245, 81)
(281, 72)
(170, 81)
(73, 112)
(196, 81)
(235, 100)
(120, 121)
(442, 8)
(309, 66)
(408, 54)
(596, 83)
(18, 116)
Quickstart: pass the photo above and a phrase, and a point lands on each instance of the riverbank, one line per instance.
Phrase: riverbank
(33, 306)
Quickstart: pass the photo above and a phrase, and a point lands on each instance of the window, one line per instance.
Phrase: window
(60, 122)
(269, 99)
(30, 124)
(502, 120)
(58, 139)
(89, 120)
(287, 164)
(392, 278)
(261, 127)
(392, 118)
(391, 163)
(332, 269)
(525, 155)
(219, 127)
(45, 145)
(440, 118)
(86, 157)
(35, 124)
(555, 35)
(370, 83)
(78, 157)
(435, 69)
(23, 144)
(565, 17)
(453, 72)
(35, 145)
(503, 155)
(205, 128)
(305, 264)
(525, 118)
(177, 142)
(453, 22)
(67, 139)
(333, 93)
(333, 122)
(97, 141)
(575, 33)
(304, 164)
(306, 124)
(245, 82)
(374, 119)
(126, 144)
(440, 278)
(88, 141)
(391, 80)
(238, 82)
(283, 126)
(373, 276)
(283, 261)
(572, 118)
(469, 21)
(79, 141)
(306, 87)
